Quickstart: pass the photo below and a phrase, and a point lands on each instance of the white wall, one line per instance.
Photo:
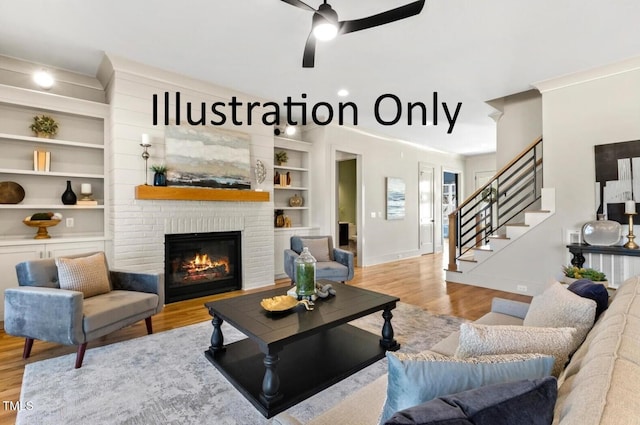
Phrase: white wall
(477, 164)
(579, 111)
(384, 240)
(519, 125)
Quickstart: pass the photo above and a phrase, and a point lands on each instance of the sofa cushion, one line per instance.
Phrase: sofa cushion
(558, 308)
(102, 310)
(331, 270)
(479, 340)
(320, 248)
(528, 402)
(416, 378)
(593, 291)
(89, 275)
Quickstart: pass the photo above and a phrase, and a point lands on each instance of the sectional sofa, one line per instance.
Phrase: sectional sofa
(599, 385)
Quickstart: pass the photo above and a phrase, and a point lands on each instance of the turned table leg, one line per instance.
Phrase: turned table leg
(387, 340)
(217, 339)
(271, 380)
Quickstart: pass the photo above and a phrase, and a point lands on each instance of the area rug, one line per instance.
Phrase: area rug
(165, 378)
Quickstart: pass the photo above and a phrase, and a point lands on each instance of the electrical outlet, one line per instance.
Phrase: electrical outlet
(522, 288)
(70, 222)
(373, 215)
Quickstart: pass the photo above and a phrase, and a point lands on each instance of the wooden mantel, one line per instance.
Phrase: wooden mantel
(174, 193)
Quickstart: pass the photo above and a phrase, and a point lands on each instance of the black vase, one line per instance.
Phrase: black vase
(68, 197)
(159, 179)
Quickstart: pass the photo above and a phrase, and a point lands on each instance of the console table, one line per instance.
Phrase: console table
(578, 250)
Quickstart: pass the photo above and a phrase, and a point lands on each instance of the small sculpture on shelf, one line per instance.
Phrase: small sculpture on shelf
(44, 126)
(296, 201)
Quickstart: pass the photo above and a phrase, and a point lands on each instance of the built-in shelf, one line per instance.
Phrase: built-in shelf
(59, 142)
(51, 173)
(175, 193)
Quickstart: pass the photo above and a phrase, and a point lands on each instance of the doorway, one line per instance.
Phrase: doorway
(425, 187)
(450, 190)
(347, 203)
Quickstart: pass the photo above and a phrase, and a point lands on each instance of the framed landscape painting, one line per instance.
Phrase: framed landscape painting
(395, 198)
(212, 158)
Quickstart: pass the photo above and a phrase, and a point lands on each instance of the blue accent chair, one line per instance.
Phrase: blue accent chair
(40, 309)
(338, 270)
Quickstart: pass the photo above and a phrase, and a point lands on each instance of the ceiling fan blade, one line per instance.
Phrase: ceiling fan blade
(389, 16)
(301, 5)
(309, 56)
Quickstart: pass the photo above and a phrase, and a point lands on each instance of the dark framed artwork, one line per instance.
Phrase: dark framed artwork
(617, 178)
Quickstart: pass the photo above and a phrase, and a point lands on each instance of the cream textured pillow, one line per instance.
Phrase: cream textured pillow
(88, 275)
(319, 248)
(480, 340)
(558, 307)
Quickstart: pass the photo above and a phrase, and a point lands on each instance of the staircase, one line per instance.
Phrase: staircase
(506, 208)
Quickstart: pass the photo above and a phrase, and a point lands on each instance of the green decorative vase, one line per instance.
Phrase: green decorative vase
(305, 274)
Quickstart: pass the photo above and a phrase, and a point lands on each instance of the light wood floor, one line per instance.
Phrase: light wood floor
(419, 281)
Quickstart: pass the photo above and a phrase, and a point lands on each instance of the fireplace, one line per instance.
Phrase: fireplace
(200, 264)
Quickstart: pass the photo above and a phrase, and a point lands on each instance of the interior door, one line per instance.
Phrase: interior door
(426, 208)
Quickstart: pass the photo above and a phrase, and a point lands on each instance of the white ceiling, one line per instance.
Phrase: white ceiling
(468, 51)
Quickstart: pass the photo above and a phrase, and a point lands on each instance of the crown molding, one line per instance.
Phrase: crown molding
(628, 65)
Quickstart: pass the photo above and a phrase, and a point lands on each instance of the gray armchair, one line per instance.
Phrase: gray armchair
(339, 268)
(40, 309)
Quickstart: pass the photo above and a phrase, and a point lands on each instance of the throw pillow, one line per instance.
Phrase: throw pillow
(319, 248)
(593, 291)
(528, 402)
(558, 308)
(89, 275)
(479, 340)
(416, 378)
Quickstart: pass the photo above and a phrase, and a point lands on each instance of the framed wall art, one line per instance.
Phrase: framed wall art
(617, 178)
(207, 157)
(396, 189)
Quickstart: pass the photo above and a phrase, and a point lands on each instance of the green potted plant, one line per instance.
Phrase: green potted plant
(572, 273)
(44, 126)
(160, 174)
(281, 157)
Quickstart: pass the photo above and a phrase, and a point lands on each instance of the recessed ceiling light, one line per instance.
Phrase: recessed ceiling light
(343, 92)
(290, 130)
(44, 79)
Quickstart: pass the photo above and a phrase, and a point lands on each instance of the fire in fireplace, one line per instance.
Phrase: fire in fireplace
(200, 264)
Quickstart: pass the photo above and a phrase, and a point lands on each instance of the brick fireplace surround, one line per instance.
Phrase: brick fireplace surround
(140, 229)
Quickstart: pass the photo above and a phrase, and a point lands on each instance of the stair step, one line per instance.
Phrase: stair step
(517, 225)
(483, 248)
(503, 237)
(538, 211)
(468, 260)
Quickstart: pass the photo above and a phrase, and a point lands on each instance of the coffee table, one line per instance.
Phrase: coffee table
(291, 356)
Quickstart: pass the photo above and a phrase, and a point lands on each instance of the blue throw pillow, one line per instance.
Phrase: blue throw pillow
(594, 291)
(528, 402)
(417, 378)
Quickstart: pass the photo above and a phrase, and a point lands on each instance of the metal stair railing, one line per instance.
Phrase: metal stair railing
(501, 200)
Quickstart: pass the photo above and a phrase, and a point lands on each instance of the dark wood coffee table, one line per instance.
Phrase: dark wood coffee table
(291, 356)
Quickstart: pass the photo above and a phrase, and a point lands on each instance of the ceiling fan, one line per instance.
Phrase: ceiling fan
(325, 24)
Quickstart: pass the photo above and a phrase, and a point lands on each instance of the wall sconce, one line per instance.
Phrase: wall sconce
(146, 142)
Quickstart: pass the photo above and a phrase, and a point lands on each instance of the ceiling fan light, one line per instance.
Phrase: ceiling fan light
(325, 31)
